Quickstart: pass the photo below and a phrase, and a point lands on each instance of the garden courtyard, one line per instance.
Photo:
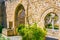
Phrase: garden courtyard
(29, 19)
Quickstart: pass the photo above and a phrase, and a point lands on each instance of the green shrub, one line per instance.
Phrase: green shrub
(32, 32)
(0, 28)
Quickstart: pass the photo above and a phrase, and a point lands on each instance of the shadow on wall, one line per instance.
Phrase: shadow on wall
(4, 19)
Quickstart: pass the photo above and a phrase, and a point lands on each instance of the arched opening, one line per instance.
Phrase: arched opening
(51, 24)
(51, 32)
(51, 21)
(19, 15)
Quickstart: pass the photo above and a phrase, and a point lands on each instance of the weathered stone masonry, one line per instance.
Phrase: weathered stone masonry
(37, 10)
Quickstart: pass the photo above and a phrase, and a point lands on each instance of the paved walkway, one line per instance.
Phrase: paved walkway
(13, 37)
(19, 38)
(47, 38)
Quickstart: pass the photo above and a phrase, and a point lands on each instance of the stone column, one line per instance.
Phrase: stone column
(59, 29)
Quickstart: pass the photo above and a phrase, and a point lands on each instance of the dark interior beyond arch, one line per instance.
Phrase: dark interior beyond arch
(3, 19)
(19, 15)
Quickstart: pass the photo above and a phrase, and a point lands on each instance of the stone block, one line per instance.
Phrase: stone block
(13, 37)
(8, 32)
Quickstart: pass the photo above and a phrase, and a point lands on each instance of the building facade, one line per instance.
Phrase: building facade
(28, 12)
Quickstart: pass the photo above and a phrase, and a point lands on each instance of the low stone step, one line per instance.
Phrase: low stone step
(13, 37)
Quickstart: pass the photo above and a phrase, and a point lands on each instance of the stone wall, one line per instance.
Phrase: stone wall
(0, 14)
(10, 10)
(37, 8)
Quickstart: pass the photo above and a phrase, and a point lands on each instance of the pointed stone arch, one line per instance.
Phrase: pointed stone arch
(18, 11)
(19, 17)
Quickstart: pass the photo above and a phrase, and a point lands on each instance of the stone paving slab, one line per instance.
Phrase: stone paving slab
(13, 37)
(20, 38)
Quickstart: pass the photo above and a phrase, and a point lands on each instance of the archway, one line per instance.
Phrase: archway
(19, 16)
(54, 31)
(51, 20)
(51, 24)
